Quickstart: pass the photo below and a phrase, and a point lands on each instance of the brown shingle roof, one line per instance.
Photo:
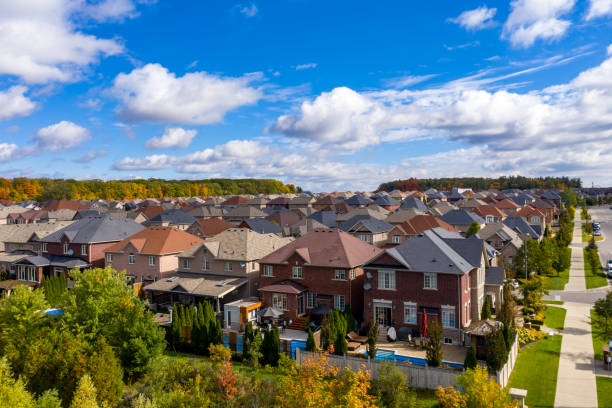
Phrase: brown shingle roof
(212, 226)
(151, 211)
(235, 200)
(333, 248)
(484, 210)
(55, 205)
(158, 241)
(422, 223)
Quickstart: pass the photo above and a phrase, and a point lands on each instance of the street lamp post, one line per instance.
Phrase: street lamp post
(526, 276)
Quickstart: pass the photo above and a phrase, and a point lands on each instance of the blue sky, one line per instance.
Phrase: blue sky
(326, 95)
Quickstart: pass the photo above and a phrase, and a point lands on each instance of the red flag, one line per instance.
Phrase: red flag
(424, 323)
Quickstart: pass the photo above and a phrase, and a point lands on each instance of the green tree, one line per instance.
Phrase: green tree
(85, 395)
(340, 345)
(434, 347)
(13, 393)
(602, 318)
(391, 387)
(49, 399)
(372, 339)
(310, 341)
(54, 288)
(473, 229)
(485, 313)
(270, 346)
(470, 359)
(350, 319)
(497, 352)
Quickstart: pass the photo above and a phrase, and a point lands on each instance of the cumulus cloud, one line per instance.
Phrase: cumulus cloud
(40, 41)
(172, 137)
(531, 20)
(60, 136)
(153, 94)
(90, 156)
(599, 8)
(477, 19)
(14, 103)
(8, 151)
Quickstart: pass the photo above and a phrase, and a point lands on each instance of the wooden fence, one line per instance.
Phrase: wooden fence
(503, 375)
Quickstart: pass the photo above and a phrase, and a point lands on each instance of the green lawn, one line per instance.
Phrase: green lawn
(598, 343)
(425, 399)
(556, 282)
(554, 317)
(553, 302)
(604, 391)
(594, 279)
(536, 371)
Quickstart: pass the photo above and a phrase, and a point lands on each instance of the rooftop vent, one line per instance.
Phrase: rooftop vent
(172, 279)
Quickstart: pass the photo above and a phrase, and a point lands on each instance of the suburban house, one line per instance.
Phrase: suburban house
(54, 205)
(207, 211)
(508, 206)
(279, 202)
(402, 215)
(262, 226)
(415, 226)
(358, 201)
(368, 229)
(302, 203)
(26, 217)
(257, 202)
(208, 227)
(238, 214)
(489, 213)
(503, 238)
(151, 254)
(370, 211)
(443, 278)
(387, 202)
(523, 228)
(234, 201)
(415, 203)
(462, 219)
(322, 268)
(534, 217)
(180, 219)
(221, 269)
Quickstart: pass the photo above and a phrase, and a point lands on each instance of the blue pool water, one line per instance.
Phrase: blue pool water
(389, 355)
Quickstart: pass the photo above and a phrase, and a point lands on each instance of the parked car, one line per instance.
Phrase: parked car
(514, 284)
(597, 233)
(610, 265)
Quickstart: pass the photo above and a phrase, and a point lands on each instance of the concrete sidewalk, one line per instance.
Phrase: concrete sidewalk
(576, 377)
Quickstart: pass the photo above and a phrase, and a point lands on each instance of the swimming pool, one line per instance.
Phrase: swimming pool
(389, 355)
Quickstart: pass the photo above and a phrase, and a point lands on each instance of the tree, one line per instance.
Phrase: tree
(341, 345)
(485, 313)
(310, 341)
(479, 391)
(434, 348)
(533, 290)
(49, 399)
(372, 339)
(507, 313)
(473, 229)
(470, 358)
(350, 319)
(497, 352)
(391, 387)
(54, 288)
(85, 395)
(270, 347)
(13, 393)
(602, 317)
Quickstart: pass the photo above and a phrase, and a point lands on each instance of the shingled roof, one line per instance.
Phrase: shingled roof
(101, 228)
(158, 241)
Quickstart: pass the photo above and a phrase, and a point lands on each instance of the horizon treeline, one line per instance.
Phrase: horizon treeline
(42, 189)
(482, 183)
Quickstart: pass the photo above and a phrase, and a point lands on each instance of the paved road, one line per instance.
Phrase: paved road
(603, 215)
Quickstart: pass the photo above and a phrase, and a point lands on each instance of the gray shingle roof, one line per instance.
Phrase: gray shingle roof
(174, 217)
(520, 225)
(413, 202)
(374, 225)
(495, 275)
(325, 217)
(358, 199)
(262, 226)
(385, 201)
(102, 228)
(461, 217)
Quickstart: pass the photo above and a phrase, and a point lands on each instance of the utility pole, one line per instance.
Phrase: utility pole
(526, 276)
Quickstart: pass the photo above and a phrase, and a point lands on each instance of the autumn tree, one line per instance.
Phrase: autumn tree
(478, 391)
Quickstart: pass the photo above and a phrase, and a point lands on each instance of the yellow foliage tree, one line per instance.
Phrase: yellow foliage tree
(12, 392)
(479, 391)
(85, 394)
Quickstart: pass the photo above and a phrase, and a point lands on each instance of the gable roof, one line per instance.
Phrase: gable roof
(158, 241)
(54, 205)
(329, 248)
(235, 200)
(261, 225)
(151, 211)
(212, 226)
(519, 224)
(174, 217)
(327, 218)
(495, 275)
(415, 203)
(245, 212)
(422, 223)
(22, 233)
(386, 200)
(374, 225)
(358, 200)
(102, 228)
(461, 217)
(484, 210)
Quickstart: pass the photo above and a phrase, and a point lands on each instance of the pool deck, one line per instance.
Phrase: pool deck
(452, 354)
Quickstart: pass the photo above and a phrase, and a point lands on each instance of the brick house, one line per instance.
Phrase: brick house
(208, 227)
(150, 254)
(489, 213)
(321, 268)
(368, 229)
(432, 272)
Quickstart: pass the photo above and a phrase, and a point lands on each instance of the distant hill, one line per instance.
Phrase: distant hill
(41, 189)
(481, 183)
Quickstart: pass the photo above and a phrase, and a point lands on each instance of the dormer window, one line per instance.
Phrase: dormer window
(66, 248)
(297, 272)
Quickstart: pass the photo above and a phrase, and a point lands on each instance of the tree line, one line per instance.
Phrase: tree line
(482, 183)
(42, 189)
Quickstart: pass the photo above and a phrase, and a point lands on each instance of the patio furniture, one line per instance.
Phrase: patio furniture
(352, 345)
(355, 338)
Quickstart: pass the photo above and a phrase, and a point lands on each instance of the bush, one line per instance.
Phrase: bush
(270, 347)
(219, 352)
(391, 387)
(372, 339)
(310, 341)
(434, 348)
(470, 359)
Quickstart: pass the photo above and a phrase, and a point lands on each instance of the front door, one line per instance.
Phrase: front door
(382, 314)
(301, 305)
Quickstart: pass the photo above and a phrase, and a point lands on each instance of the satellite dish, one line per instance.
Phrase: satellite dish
(70, 252)
(367, 286)
(369, 275)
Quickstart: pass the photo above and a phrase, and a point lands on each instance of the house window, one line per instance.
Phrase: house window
(83, 249)
(205, 265)
(186, 263)
(311, 300)
(431, 281)
(279, 301)
(151, 260)
(467, 313)
(448, 340)
(535, 219)
(352, 274)
(228, 267)
(131, 259)
(57, 271)
(410, 313)
(44, 247)
(448, 316)
(386, 279)
(366, 238)
(109, 258)
(396, 239)
(297, 272)
(268, 271)
(31, 274)
(340, 274)
(339, 302)
(489, 219)
(26, 273)
(66, 248)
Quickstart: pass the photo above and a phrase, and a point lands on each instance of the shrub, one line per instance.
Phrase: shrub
(372, 338)
(434, 348)
(310, 342)
(470, 358)
(391, 387)
(219, 352)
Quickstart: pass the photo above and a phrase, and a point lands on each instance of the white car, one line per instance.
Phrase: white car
(610, 265)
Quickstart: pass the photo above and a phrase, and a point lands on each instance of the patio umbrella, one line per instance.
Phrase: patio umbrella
(271, 312)
(424, 323)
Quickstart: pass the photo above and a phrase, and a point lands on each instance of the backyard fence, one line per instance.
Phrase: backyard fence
(503, 375)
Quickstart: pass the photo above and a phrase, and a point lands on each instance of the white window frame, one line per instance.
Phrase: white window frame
(279, 301)
(44, 247)
(296, 272)
(386, 280)
(131, 259)
(228, 267)
(66, 248)
(205, 265)
(311, 300)
(186, 263)
(366, 238)
(109, 258)
(151, 260)
(340, 274)
(83, 249)
(352, 274)
(268, 270)
(489, 219)
(396, 239)
(448, 316)
(339, 302)
(430, 281)
(410, 313)
(57, 271)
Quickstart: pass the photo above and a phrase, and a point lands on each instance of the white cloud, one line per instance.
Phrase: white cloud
(106, 10)
(477, 19)
(8, 151)
(60, 136)
(531, 20)
(249, 10)
(90, 156)
(310, 65)
(40, 41)
(172, 137)
(406, 81)
(154, 94)
(598, 8)
(14, 104)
